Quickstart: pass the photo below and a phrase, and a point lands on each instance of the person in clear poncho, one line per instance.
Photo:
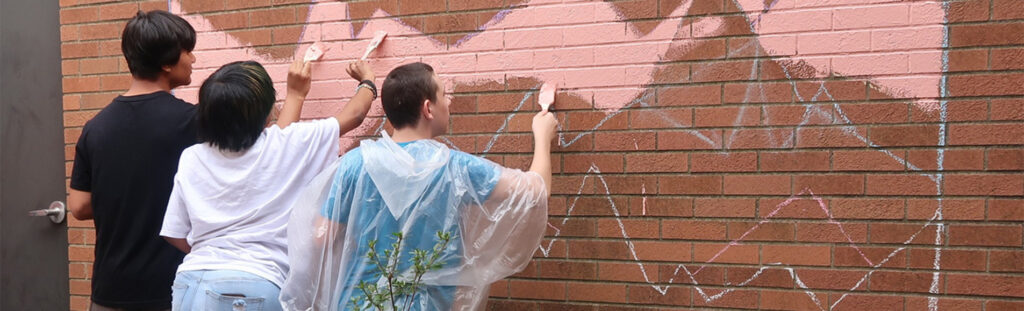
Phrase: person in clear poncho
(412, 184)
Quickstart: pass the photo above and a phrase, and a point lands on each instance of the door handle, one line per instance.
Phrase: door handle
(56, 212)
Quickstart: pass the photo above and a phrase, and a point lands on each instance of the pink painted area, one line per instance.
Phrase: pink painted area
(590, 51)
(851, 33)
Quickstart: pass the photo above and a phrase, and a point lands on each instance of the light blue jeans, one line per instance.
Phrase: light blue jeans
(226, 290)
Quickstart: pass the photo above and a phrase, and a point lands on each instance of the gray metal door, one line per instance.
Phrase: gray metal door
(33, 250)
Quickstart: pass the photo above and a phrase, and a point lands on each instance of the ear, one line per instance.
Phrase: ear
(167, 68)
(428, 110)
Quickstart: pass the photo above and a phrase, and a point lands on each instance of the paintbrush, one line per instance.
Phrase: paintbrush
(377, 39)
(547, 96)
(315, 52)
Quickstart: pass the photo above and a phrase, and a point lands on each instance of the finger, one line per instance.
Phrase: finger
(307, 68)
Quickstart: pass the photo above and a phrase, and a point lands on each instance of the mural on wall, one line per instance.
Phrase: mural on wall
(812, 53)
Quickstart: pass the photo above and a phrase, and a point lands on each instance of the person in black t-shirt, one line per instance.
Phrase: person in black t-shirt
(125, 161)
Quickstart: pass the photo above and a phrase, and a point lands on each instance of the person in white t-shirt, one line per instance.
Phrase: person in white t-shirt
(233, 193)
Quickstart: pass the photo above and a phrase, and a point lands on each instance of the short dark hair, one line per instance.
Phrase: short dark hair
(234, 104)
(155, 39)
(404, 90)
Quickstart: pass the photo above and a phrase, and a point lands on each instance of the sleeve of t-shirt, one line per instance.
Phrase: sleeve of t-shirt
(81, 172)
(176, 222)
(483, 174)
(315, 143)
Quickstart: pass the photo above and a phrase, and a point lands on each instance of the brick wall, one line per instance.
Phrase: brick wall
(784, 154)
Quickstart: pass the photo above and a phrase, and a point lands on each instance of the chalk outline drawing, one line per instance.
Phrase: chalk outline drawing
(643, 95)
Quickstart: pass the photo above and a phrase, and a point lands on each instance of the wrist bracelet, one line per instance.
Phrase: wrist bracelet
(368, 85)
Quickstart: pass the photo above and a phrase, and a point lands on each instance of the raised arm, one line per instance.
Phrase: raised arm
(355, 111)
(299, 80)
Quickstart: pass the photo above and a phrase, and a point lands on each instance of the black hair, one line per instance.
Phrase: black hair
(155, 39)
(234, 103)
(404, 91)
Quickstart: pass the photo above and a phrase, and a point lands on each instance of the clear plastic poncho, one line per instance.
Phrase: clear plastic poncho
(495, 216)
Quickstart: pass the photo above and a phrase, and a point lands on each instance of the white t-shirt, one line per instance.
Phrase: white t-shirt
(233, 208)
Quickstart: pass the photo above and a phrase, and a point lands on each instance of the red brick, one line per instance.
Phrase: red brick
(986, 84)
(902, 233)
(597, 292)
(98, 65)
(949, 259)
(617, 141)
(907, 135)
(661, 118)
(989, 285)
(661, 162)
(599, 250)
(990, 184)
(759, 277)
(674, 295)
(78, 15)
(747, 93)
(760, 139)
(689, 140)
(1006, 209)
(1007, 109)
(845, 280)
(790, 300)
(952, 209)
(550, 290)
(985, 34)
(581, 163)
(1006, 261)
(909, 184)
(986, 134)
(271, 17)
(567, 270)
(968, 60)
(101, 31)
(1006, 159)
(757, 184)
(693, 229)
(764, 231)
(794, 161)
(590, 120)
(985, 235)
(726, 116)
(952, 159)
(968, 11)
(746, 299)
(999, 305)
(79, 49)
(865, 302)
(902, 282)
(799, 255)
(829, 184)
(634, 228)
(738, 253)
(844, 232)
(660, 205)
(867, 160)
(662, 251)
(847, 136)
(876, 113)
(626, 272)
(858, 208)
(723, 162)
(724, 207)
(797, 115)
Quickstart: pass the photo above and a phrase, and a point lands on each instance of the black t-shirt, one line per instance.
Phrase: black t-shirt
(127, 157)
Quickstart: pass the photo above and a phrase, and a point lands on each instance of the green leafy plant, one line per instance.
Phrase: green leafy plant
(399, 287)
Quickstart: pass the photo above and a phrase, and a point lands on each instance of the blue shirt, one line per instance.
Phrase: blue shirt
(373, 221)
